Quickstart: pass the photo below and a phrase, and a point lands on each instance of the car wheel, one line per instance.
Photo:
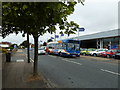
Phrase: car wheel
(95, 54)
(108, 56)
(84, 54)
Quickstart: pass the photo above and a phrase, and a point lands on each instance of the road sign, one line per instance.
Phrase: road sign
(81, 29)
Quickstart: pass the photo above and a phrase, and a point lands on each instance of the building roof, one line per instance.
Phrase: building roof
(105, 34)
(4, 45)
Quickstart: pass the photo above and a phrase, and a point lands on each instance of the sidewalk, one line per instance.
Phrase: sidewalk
(18, 74)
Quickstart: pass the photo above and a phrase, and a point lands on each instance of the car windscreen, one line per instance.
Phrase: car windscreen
(41, 49)
(91, 49)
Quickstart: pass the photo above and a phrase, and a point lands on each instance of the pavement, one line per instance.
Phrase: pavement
(19, 74)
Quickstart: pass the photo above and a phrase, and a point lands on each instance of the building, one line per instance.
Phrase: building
(107, 39)
(5, 44)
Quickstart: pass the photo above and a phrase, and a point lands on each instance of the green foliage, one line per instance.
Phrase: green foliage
(49, 40)
(35, 18)
(44, 44)
(11, 48)
(24, 43)
(4, 50)
(71, 28)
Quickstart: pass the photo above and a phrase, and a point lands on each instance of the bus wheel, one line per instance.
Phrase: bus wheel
(60, 54)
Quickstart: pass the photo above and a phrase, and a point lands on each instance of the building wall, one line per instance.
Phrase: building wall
(110, 43)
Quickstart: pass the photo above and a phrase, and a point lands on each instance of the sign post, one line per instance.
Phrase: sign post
(80, 30)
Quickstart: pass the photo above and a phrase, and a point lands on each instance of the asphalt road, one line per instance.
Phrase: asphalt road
(82, 72)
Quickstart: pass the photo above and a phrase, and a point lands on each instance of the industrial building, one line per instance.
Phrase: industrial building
(107, 39)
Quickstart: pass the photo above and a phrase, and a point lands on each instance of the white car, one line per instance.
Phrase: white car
(97, 52)
(41, 51)
(44, 47)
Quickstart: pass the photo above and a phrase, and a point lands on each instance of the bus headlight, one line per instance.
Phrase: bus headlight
(67, 53)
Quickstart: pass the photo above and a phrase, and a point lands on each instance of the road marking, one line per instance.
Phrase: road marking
(20, 60)
(110, 72)
(32, 60)
(52, 56)
(71, 61)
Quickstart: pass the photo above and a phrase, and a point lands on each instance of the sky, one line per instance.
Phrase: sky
(95, 16)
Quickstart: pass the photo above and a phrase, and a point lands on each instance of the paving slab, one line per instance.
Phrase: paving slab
(19, 74)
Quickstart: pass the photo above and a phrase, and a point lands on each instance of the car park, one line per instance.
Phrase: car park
(86, 51)
(109, 53)
(97, 52)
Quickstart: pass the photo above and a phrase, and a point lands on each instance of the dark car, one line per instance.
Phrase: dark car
(117, 55)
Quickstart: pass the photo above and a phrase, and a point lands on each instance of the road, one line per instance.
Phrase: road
(82, 72)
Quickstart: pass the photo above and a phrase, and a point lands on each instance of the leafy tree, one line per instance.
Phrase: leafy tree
(71, 28)
(44, 44)
(24, 43)
(49, 40)
(36, 19)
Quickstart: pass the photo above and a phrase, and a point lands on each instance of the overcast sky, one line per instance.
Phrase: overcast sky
(95, 16)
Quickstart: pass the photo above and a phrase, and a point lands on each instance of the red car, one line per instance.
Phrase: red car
(109, 53)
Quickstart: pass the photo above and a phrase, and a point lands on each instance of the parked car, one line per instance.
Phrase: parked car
(83, 51)
(44, 47)
(86, 51)
(97, 52)
(117, 55)
(109, 53)
(41, 51)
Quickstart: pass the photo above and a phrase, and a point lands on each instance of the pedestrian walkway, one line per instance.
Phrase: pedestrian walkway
(18, 73)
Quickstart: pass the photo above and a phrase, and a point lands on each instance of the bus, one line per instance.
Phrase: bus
(69, 48)
(50, 47)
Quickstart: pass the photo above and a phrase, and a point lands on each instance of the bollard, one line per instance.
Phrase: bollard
(8, 57)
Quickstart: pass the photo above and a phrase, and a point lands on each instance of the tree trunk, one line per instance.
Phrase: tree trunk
(35, 72)
(28, 48)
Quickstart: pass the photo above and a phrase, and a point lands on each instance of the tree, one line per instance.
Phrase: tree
(49, 40)
(44, 44)
(35, 19)
(24, 43)
(71, 28)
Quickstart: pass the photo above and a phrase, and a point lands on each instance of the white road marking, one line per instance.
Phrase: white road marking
(20, 60)
(66, 60)
(110, 72)
(71, 61)
(32, 60)
(52, 56)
